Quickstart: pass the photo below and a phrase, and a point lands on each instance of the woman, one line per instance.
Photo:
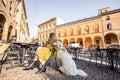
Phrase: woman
(68, 65)
(43, 53)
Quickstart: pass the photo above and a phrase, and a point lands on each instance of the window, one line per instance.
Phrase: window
(43, 36)
(96, 28)
(105, 11)
(71, 31)
(50, 25)
(78, 30)
(59, 34)
(10, 9)
(109, 26)
(87, 29)
(107, 17)
(54, 24)
(65, 33)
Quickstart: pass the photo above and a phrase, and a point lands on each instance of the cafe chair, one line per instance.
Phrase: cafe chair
(14, 57)
(79, 53)
(30, 56)
(73, 52)
(69, 49)
(94, 53)
(11, 56)
(113, 54)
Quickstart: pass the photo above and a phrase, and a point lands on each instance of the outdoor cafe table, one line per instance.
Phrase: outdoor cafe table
(111, 54)
(24, 47)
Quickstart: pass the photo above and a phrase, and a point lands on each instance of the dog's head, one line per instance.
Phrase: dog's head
(58, 44)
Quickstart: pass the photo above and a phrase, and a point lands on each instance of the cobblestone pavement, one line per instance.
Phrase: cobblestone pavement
(94, 73)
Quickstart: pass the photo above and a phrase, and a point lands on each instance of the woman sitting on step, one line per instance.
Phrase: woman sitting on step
(43, 54)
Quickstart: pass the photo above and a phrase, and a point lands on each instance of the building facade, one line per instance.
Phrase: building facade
(111, 26)
(101, 30)
(46, 28)
(13, 20)
(85, 32)
(34, 39)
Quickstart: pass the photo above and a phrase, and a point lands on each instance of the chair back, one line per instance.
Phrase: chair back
(92, 49)
(113, 51)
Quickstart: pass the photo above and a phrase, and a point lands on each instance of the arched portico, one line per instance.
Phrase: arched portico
(9, 32)
(98, 41)
(111, 38)
(2, 22)
(65, 42)
(72, 40)
(80, 41)
(88, 42)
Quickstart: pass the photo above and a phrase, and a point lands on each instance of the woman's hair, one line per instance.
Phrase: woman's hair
(51, 35)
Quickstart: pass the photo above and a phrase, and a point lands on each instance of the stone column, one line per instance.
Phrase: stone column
(5, 32)
(92, 39)
(83, 42)
(103, 41)
(119, 39)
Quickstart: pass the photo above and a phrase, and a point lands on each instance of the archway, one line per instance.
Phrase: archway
(88, 42)
(1, 31)
(65, 42)
(9, 33)
(72, 40)
(111, 38)
(98, 41)
(2, 22)
(80, 41)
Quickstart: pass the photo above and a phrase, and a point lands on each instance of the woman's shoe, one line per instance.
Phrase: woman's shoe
(30, 66)
(60, 71)
(43, 69)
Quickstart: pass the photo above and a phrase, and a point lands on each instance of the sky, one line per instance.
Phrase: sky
(39, 11)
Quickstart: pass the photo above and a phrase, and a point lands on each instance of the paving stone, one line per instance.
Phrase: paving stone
(94, 73)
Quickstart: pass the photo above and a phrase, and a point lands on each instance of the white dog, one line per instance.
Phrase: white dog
(68, 65)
